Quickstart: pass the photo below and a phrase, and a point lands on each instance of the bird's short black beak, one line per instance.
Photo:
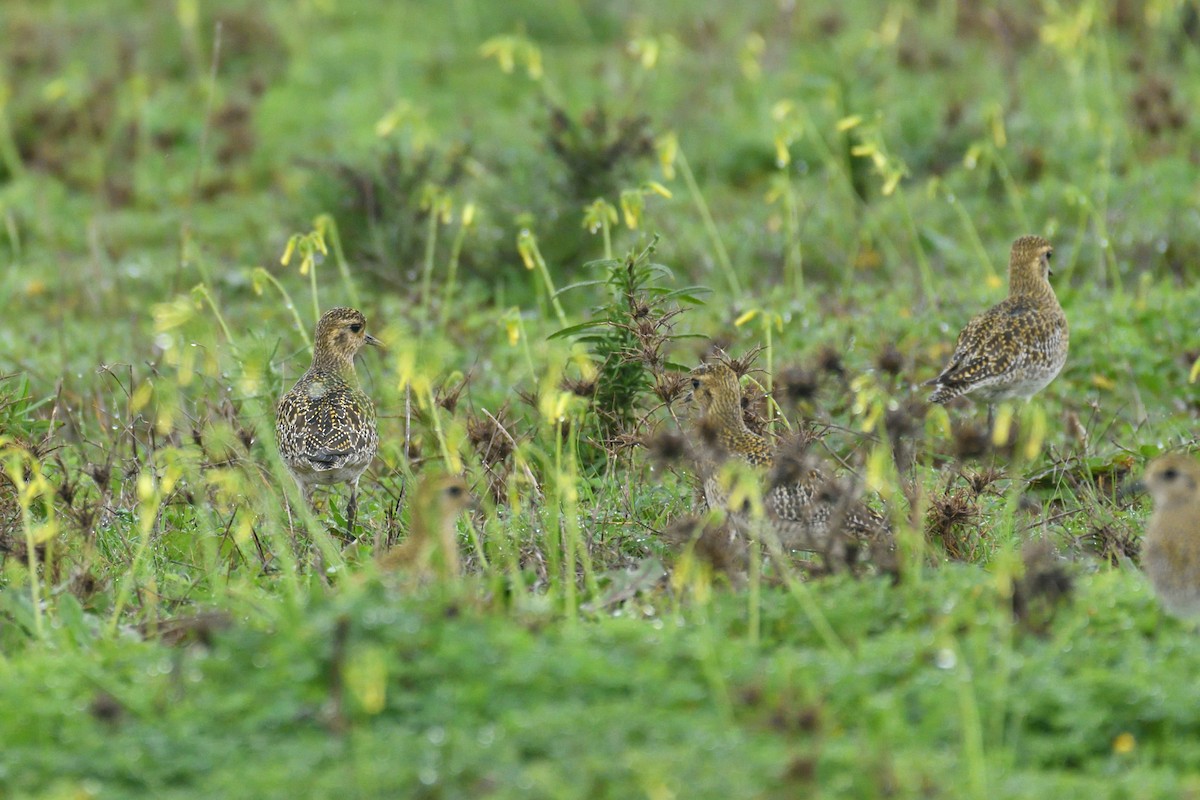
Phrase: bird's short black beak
(371, 340)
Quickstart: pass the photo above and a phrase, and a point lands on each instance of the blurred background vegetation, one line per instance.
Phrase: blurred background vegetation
(185, 185)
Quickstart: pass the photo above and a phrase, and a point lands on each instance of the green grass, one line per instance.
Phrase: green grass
(851, 174)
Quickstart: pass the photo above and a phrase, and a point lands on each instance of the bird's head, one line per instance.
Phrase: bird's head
(1171, 480)
(444, 496)
(341, 332)
(1029, 264)
(716, 391)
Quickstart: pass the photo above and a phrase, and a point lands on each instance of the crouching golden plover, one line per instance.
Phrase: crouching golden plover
(1015, 348)
(803, 507)
(1171, 548)
(432, 543)
(326, 424)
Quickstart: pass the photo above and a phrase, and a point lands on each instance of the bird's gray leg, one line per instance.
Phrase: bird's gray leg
(306, 490)
(352, 508)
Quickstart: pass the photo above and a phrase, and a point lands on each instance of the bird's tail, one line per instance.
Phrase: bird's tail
(943, 393)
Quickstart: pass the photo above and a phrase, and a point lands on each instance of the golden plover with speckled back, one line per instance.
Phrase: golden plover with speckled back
(805, 509)
(326, 424)
(1171, 549)
(1015, 348)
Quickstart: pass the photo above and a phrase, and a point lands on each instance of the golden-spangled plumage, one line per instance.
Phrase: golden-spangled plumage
(432, 543)
(326, 424)
(806, 509)
(1015, 348)
(1171, 549)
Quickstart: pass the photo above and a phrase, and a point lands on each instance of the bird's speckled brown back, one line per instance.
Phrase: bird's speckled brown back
(802, 505)
(325, 424)
(1015, 348)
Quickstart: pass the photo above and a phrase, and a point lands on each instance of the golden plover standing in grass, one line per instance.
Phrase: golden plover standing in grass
(1015, 348)
(804, 508)
(432, 543)
(326, 424)
(1171, 549)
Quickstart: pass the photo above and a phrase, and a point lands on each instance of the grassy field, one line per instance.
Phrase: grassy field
(547, 211)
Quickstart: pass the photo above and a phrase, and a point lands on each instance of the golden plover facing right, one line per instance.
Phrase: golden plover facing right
(1171, 549)
(326, 424)
(1015, 348)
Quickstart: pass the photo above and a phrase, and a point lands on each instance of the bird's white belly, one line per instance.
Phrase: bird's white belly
(1022, 389)
(348, 471)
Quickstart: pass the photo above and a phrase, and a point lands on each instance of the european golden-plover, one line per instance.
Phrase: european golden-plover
(804, 508)
(432, 543)
(326, 424)
(1171, 548)
(1015, 348)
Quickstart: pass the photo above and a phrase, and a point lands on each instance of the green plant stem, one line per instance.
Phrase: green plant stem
(204, 292)
(714, 235)
(281, 543)
(9, 154)
(1081, 235)
(793, 256)
(427, 268)
(312, 282)
(566, 544)
(335, 240)
(972, 728)
(754, 596)
(480, 551)
(1010, 188)
(1100, 216)
(607, 234)
(35, 592)
(508, 534)
(926, 273)
(437, 428)
(147, 517)
(533, 372)
(840, 168)
(714, 675)
(571, 513)
(259, 272)
(972, 233)
(767, 319)
(799, 589)
(452, 274)
(549, 284)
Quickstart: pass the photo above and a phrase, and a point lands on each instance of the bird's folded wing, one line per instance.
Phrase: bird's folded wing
(993, 344)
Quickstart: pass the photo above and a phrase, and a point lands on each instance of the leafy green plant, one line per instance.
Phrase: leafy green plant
(597, 152)
(170, 614)
(627, 340)
(388, 206)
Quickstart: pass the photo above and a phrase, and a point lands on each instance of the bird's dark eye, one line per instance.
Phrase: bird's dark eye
(1170, 473)
(1049, 254)
(356, 327)
(695, 383)
(454, 491)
